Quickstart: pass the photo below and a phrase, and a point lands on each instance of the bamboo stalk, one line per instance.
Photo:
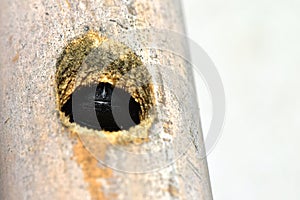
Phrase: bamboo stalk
(43, 156)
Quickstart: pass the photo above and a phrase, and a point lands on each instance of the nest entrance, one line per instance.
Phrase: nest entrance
(103, 85)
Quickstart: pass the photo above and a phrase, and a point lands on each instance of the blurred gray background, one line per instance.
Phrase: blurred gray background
(255, 46)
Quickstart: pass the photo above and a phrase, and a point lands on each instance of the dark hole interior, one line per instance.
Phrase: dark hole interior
(102, 107)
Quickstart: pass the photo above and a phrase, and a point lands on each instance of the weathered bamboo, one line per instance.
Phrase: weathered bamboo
(43, 156)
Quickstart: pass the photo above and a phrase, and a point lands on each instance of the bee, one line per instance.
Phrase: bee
(92, 106)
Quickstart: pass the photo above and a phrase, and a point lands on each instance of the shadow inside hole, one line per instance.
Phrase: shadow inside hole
(92, 106)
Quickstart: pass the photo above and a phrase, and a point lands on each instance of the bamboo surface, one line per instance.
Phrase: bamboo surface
(43, 158)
